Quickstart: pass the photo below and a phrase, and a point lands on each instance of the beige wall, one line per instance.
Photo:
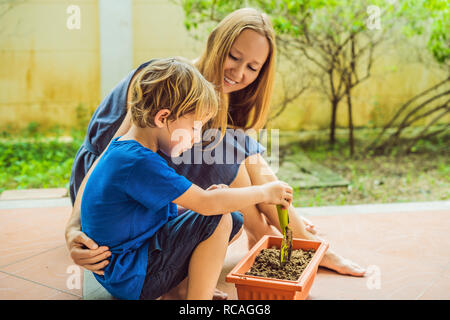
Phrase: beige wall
(397, 76)
(47, 70)
(159, 31)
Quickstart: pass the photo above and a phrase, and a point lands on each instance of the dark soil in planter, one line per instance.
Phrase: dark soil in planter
(267, 264)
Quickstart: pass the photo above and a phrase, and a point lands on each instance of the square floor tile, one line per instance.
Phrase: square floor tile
(53, 268)
(26, 232)
(13, 288)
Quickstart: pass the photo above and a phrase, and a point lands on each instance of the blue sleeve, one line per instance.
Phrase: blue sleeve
(154, 184)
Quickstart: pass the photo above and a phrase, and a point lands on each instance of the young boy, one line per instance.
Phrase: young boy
(129, 201)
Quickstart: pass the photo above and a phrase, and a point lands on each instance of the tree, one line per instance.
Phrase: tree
(341, 40)
(331, 35)
(430, 18)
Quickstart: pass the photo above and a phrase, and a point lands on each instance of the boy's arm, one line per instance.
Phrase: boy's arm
(220, 201)
(212, 187)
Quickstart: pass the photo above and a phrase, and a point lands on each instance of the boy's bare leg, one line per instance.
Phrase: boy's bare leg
(207, 261)
(256, 171)
(179, 292)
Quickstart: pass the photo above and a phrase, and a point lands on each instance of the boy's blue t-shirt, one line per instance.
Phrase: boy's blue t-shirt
(126, 200)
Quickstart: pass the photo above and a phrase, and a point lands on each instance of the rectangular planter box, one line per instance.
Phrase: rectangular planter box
(260, 288)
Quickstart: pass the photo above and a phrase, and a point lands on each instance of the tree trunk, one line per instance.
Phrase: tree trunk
(350, 121)
(348, 89)
(334, 105)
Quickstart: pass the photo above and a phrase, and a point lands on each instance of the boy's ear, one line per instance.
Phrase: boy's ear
(161, 117)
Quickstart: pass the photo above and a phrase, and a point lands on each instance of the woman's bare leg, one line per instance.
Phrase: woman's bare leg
(256, 171)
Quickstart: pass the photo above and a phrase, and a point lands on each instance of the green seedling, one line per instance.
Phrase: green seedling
(286, 243)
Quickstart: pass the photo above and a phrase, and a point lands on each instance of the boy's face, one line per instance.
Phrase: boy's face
(180, 135)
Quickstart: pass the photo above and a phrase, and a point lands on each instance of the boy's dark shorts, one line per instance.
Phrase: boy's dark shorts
(170, 249)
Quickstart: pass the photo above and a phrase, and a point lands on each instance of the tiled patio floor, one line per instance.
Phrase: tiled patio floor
(34, 259)
(407, 254)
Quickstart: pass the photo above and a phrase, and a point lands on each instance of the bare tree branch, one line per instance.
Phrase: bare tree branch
(402, 109)
(421, 134)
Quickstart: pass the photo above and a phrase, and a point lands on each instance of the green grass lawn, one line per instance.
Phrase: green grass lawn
(38, 164)
(33, 160)
(38, 161)
(423, 175)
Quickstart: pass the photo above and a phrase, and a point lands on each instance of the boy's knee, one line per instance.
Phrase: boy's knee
(231, 224)
(226, 222)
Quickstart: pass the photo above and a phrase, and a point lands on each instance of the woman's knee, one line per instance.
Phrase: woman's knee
(242, 178)
(253, 171)
(258, 170)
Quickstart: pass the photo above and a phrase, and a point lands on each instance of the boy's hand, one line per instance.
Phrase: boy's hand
(278, 192)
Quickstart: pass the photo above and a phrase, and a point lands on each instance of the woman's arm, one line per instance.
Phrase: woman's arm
(220, 201)
(83, 250)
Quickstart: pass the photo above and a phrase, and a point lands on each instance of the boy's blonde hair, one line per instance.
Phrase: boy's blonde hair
(249, 106)
(173, 84)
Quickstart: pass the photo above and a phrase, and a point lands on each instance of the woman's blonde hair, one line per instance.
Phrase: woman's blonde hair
(174, 84)
(248, 107)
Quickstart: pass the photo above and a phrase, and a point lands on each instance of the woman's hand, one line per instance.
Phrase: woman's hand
(217, 186)
(278, 192)
(86, 253)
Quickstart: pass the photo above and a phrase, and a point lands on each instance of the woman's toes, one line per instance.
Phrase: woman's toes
(341, 265)
(311, 229)
(309, 226)
(352, 269)
(357, 270)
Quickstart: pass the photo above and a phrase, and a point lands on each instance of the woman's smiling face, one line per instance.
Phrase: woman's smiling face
(245, 60)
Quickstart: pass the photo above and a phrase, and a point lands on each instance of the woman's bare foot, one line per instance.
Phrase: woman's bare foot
(341, 265)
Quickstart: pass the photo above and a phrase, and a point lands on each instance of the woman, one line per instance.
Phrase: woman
(240, 60)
